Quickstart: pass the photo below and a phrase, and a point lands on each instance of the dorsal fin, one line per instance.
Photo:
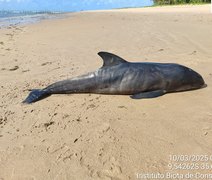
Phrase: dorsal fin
(110, 59)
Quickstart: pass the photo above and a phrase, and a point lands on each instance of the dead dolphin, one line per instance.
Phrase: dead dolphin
(118, 76)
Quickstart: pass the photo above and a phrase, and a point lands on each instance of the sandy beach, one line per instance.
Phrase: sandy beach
(103, 137)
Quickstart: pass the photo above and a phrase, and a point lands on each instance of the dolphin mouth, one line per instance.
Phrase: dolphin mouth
(204, 86)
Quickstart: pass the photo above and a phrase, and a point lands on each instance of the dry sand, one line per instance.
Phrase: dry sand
(86, 137)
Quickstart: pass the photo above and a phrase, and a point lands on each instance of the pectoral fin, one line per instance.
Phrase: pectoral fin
(150, 94)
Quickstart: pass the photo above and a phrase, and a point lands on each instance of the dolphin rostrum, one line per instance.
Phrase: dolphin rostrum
(118, 76)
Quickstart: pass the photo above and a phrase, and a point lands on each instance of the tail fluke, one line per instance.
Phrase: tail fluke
(36, 95)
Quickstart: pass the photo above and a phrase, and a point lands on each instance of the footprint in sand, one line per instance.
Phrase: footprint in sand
(46, 63)
(14, 68)
(161, 50)
(11, 69)
(3, 120)
(9, 34)
(193, 53)
(27, 70)
(112, 169)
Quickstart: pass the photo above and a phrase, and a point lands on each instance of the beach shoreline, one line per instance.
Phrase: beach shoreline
(21, 19)
(100, 137)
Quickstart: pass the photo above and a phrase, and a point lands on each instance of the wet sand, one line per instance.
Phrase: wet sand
(90, 136)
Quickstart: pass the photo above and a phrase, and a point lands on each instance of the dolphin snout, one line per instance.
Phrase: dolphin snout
(197, 80)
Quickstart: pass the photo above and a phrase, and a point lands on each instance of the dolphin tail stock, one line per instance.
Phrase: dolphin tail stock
(36, 95)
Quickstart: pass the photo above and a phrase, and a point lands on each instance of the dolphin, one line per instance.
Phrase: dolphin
(118, 76)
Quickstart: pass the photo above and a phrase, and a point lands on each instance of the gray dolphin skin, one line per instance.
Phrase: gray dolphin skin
(118, 76)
